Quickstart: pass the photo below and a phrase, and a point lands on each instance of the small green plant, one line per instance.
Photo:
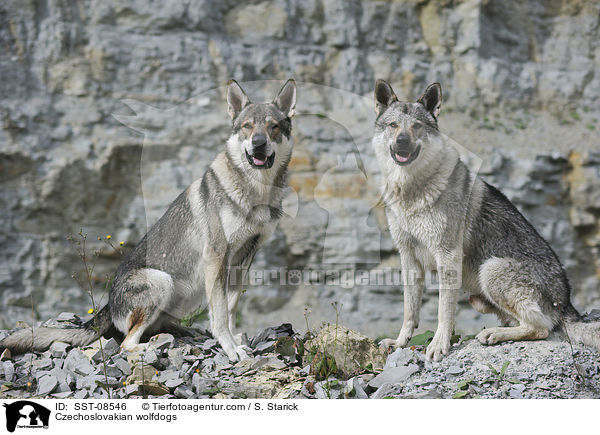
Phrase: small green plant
(460, 394)
(200, 315)
(498, 376)
(464, 384)
(422, 339)
(463, 389)
(575, 116)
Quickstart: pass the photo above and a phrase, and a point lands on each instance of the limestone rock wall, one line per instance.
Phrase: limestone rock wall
(110, 108)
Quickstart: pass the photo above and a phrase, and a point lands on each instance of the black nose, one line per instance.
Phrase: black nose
(259, 140)
(403, 141)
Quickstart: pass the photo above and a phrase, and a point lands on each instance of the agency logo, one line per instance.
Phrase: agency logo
(27, 415)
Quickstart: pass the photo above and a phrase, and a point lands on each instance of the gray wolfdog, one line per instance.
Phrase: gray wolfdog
(443, 217)
(216, 225)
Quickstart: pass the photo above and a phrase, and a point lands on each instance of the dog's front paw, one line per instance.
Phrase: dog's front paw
(439, 346)
(401, 341)
(404, 337)
(388, 343)
(488, 336)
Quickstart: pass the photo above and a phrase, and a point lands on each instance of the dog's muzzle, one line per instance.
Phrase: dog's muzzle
(403, 151)
(258, 157)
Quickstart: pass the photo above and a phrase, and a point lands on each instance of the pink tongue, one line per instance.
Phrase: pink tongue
(401, 159)
(258, 162)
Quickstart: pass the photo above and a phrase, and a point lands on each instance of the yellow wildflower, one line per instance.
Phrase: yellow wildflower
(121, 243)
(108, 237)
(90, 311)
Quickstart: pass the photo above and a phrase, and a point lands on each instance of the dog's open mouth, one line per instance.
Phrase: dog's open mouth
(260, 161)
(404, 157)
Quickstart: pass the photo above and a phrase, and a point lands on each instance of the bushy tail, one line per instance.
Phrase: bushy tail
(24, 341)
(587, 333)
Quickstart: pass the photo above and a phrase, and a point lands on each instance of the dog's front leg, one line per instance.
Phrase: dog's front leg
(412, 272)
(449, 268)
(215, 280)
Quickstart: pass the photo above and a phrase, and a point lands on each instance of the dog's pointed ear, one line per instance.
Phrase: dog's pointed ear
(286, 98)
(432, 99)
(384, 96)
(236, 99)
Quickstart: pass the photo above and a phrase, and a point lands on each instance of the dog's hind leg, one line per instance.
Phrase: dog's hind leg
(481, 304)
(505, 285)
(145, 296)
(140, 319)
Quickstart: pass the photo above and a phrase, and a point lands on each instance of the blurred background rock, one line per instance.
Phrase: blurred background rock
(521, 85)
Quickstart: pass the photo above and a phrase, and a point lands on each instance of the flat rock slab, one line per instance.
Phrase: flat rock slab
(46, 384)
(394, 375)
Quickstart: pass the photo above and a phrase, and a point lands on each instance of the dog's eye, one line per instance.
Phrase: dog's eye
(274, 127)
(247, 125)
(393, 125)
(417, 128)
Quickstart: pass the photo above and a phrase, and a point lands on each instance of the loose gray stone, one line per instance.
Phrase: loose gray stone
(150, 357)
(62, 387)
(455, 370)
(394, 375)
(386, 390)
(201, 385)
(325, 389)
(41, 373)
(122, 365)
(83, 368)
(173, 383)
(209, 344)
(108, 370)
(58, 349)
(109, 348)
(265, 346)
(221, 359)
(81, 394)
(515, 394)
(355, 386)
(67, 317)
(131, 389)
(183, 392)
(77, 362)
(89, 382)
(161, 341)
(268, 363)
(168, 375)
(176, 357)
(43, 364)
(46, 384)
(61, 375)
(9, 370)
(400, 357)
